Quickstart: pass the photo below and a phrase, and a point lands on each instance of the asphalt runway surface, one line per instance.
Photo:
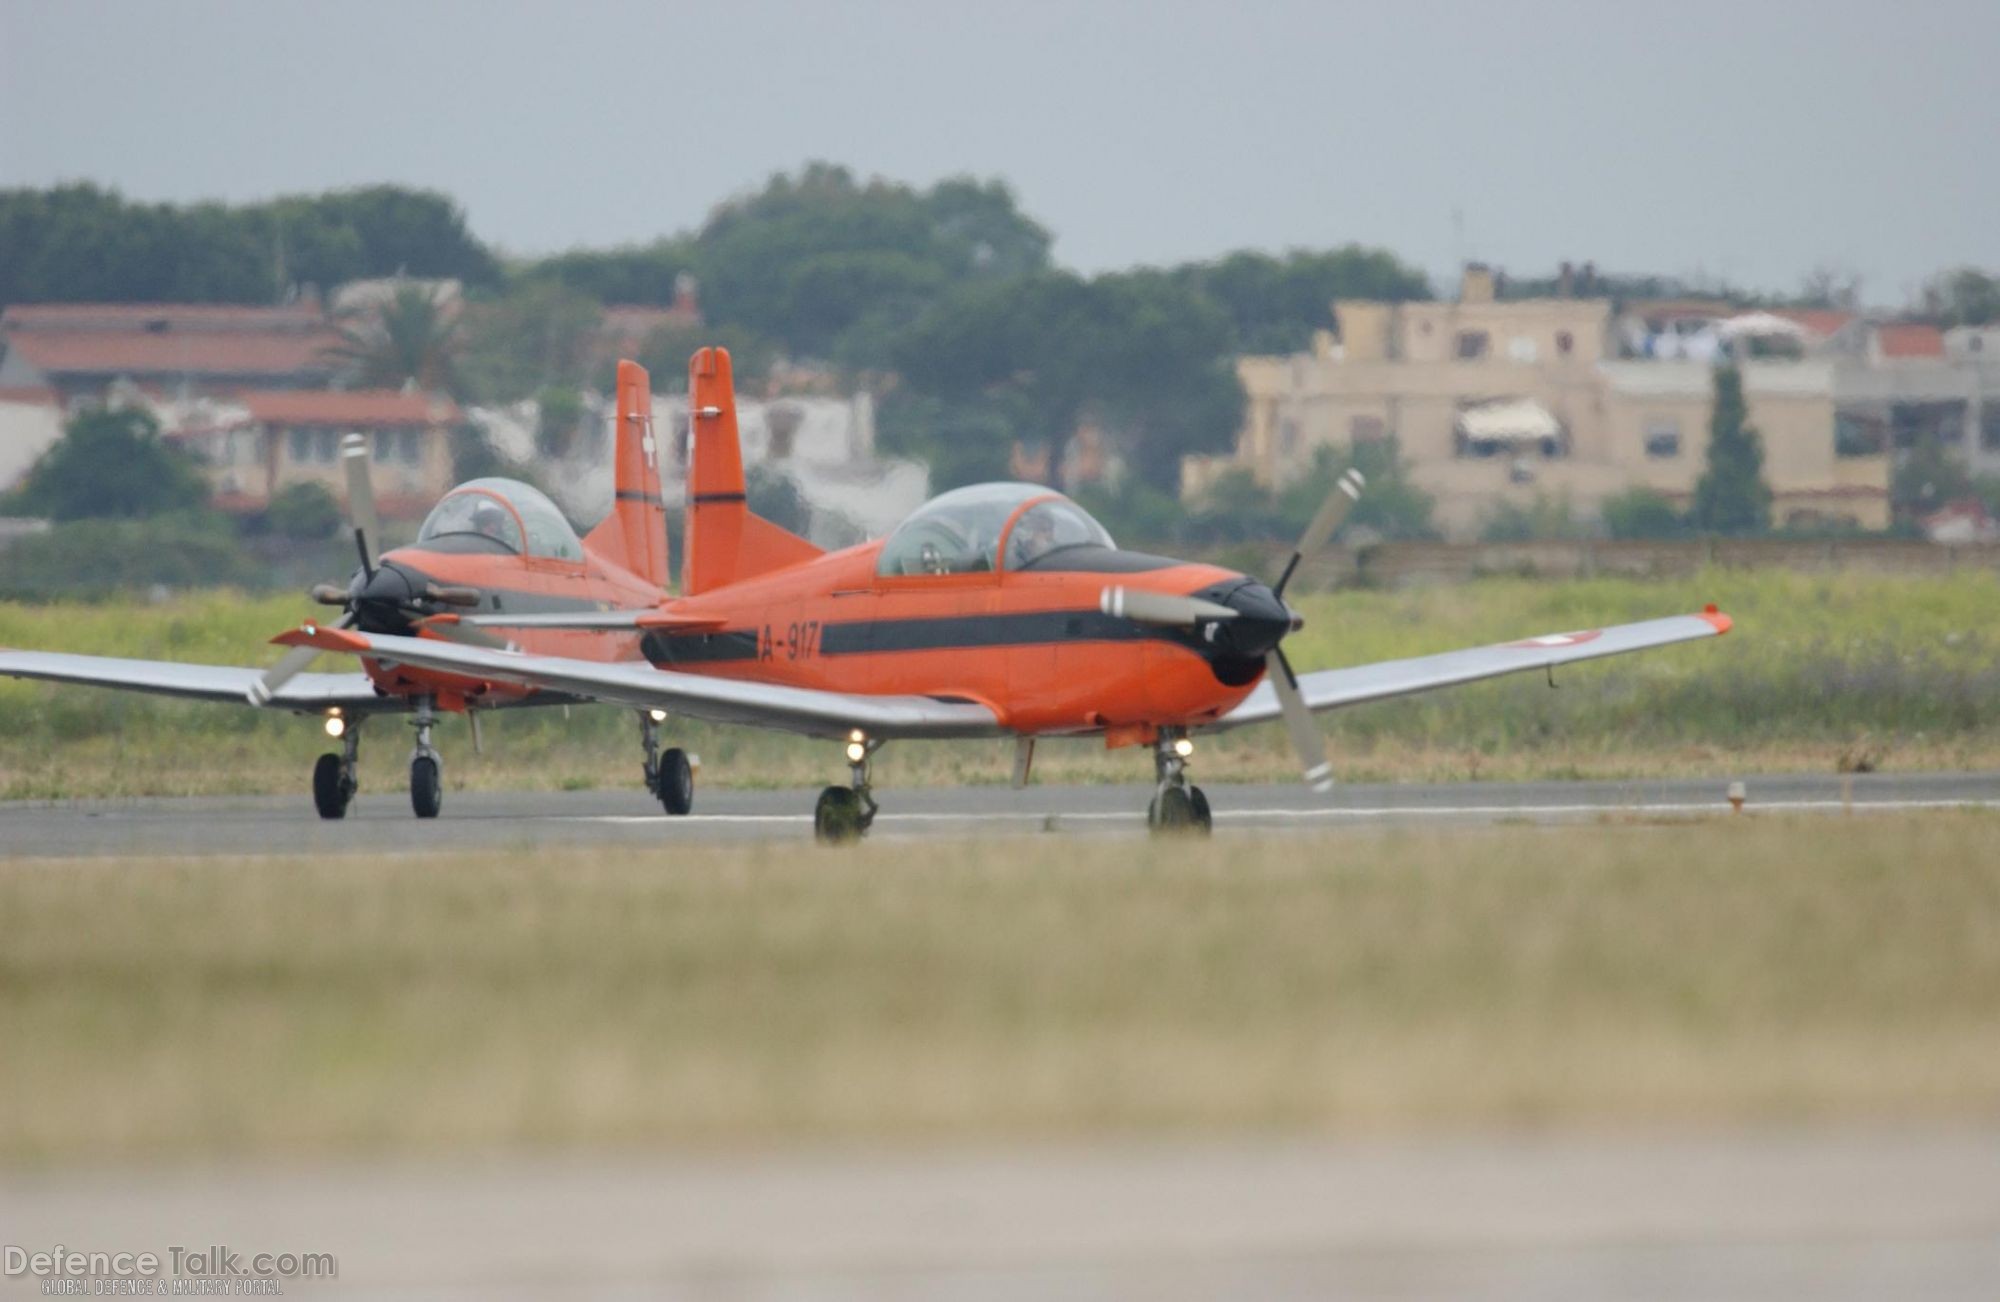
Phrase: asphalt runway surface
(1853, 1213)
(380, 820)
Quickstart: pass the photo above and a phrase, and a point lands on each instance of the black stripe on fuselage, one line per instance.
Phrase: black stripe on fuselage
(702, 499)
(949, 633)
(635, 495)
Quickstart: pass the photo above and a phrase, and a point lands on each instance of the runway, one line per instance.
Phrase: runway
(380, 820)
(1844, 1213)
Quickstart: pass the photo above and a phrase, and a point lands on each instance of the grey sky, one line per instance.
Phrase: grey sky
(1753, 140)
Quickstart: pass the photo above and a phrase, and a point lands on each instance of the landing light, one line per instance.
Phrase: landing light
(659, 716)
(335, 725)
(856, 752)
(1183, 747)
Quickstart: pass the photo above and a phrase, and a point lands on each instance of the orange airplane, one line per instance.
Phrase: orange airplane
(999, 610)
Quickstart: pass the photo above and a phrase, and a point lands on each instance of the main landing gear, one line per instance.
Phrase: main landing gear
(1178, 805)
(334, 777)
(844, 813)
(669, 773)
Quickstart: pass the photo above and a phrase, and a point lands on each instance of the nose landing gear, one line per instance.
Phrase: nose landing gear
(844, 813)
(1178, 805)
(669, 773)
(426, 765)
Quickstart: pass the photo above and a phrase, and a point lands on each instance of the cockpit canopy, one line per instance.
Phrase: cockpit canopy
(501, 515)
(965, 531)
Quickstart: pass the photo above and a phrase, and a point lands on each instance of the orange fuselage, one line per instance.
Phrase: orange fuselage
(1032, 646)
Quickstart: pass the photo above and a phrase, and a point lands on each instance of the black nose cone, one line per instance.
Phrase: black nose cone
(1262, 620)
(380, 600)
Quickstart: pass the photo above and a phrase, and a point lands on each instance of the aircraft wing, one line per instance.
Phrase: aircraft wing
(641, 686)
(1329, 689)
(317, 692)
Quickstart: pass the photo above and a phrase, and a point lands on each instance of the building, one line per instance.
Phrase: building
(30, 420)
(1503, 401)
(79, 350)
(254, 444)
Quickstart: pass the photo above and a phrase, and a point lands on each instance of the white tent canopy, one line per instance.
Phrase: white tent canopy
(1759, 323)
(1510, 420)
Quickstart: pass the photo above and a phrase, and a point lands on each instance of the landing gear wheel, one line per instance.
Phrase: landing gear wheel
(674, 781)
(1173, 812)
(837, 818)
(1204, 822)
(426, 787)
(331, 789)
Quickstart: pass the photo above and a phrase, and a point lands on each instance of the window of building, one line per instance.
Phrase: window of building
(1858, 434)
(1989, 428)
(413, 446)
(1663, 438)
(1472, 345)
(1367, 429)
(1565, 342)
(326, 445)
(301, 443)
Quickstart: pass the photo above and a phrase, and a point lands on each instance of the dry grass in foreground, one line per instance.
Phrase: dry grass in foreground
(1727, 969)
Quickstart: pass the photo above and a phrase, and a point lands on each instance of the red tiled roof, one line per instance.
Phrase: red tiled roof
(1824, 322)
(117, 352)
(349, 408)
(1905, 340)
(37, 396)
(134, 317)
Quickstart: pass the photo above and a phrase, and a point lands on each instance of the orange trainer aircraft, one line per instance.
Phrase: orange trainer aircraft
(1000, 610)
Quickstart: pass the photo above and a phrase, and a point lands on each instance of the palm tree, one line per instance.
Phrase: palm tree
(414, 337)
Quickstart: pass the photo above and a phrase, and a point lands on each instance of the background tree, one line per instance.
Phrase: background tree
(1641, 513)
(1731, 497)
(1144, 356)
(112, 463)
(304, 512)
(537, 334)
(413, 338)
(1275, 304)
(1965, 296)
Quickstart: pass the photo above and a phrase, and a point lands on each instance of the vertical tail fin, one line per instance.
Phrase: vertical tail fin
(634, 535)
(724, 543)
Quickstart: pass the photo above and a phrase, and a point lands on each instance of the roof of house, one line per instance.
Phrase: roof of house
(174, 352)
(1824, 322)
(142, 317)
(29, 395)
(1903, 339)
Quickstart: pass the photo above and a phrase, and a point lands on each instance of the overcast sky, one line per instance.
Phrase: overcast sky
(1753, 140)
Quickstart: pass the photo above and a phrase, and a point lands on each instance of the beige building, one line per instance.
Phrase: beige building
(1496, 401)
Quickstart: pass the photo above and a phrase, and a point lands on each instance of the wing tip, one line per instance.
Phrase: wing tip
(1716, 619)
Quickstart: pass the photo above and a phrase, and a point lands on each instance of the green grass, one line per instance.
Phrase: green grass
(1733, 969)
(1901, 672)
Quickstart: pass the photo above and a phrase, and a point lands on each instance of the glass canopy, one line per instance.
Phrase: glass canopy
(962, 532)
(514, 516)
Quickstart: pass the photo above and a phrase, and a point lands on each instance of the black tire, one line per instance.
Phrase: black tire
(1204, 821)
(837, 817)
(1172, 813)
(426, 787)
(676, 782)
(330, 790)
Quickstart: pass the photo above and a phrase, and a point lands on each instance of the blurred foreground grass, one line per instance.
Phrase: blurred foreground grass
(1727, 969)
(1892, 671)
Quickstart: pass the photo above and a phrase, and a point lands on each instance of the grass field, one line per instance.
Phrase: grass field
(1895, 672)
(1730, 969)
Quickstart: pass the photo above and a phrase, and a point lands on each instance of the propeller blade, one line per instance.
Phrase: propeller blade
(1331, 515)
(289, 666)
(361, 500)
(1307, 739)
(1160, 607)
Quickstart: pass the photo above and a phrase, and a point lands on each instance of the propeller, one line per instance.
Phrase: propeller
(1263, 632)
(361, 515)
(381, 589)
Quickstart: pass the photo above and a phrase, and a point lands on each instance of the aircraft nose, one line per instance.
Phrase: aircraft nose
(1262, 619)
(379, 600)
